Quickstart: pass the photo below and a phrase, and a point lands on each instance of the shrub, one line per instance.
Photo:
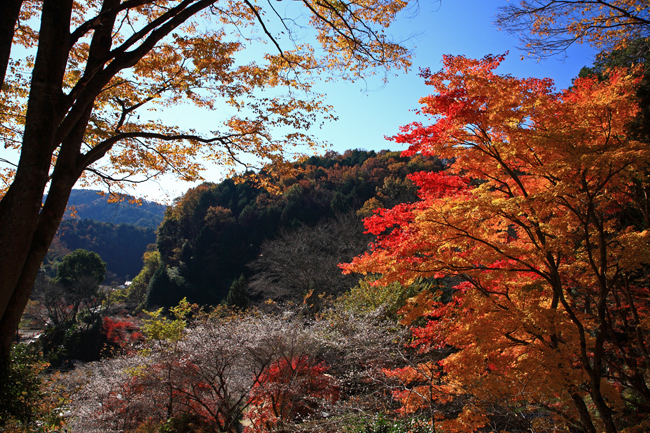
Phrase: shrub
(27, 402)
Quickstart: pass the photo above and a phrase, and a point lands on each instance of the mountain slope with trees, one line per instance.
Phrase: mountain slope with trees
(121, 246)
(213, 234)
(119, 232)
(91, 204)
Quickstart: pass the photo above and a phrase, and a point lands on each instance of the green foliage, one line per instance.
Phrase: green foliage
(366, 297)
(75, 289)
(121, 245)
(22, 392)
(26, 402)
(73, 300)
(160, 328)
(383, 424)
(57, 251)
(237, 296)
(137, 291)
(81, 341)
(81, 264)
(168, 286)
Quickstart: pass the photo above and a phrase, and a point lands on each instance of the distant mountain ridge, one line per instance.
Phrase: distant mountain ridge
(118, 232)
(90, 204)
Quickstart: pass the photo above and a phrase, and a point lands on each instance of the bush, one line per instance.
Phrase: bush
(382, 424)
(26, 405)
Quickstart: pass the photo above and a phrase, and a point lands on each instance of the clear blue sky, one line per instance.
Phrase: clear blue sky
(451, 27)
(369, 111)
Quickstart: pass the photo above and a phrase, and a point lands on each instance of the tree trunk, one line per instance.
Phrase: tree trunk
(38, 228)
(20, 208)
(9, 10)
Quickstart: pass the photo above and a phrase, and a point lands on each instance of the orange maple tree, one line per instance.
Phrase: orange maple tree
(540, 215)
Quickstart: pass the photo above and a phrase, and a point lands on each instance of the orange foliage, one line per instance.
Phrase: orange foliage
(550, 27)
(191, 55)
(536, 216)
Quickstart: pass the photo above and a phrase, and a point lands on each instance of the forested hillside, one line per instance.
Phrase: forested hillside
(121, 246)
(92, 205)
(284, 244)
(118, 231)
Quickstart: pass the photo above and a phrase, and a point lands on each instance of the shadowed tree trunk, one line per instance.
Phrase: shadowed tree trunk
(9, 10)
(20, 209)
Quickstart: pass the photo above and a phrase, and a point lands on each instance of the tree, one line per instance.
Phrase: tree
(29, 403)
(305, 260)
(549, 27)
(150, 263)
(77, 281)
(537, 215)
(78, 264)
(237, 296)
(70, 106)
(289, 388)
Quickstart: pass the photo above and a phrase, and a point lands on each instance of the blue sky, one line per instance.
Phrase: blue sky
(451, 27)
(369, 111)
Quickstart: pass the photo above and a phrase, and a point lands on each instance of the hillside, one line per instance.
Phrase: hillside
(121, 246)
(285, 244)
(90, 204)
(119, 232)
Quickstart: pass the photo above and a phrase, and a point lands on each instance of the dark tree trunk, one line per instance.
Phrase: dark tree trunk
(24, 241)
(9, 10)
(20, 208)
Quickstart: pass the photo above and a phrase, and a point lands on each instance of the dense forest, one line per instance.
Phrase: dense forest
(284, 244)
(119, 231)
(121, 246)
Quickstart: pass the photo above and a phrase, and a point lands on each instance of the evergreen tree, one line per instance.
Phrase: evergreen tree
(237, 296)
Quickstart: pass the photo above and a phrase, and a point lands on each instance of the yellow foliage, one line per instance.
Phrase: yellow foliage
(194, 54)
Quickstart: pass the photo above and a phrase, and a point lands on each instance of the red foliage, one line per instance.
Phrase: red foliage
(121, 334)
(289, 388)
(550, 236)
